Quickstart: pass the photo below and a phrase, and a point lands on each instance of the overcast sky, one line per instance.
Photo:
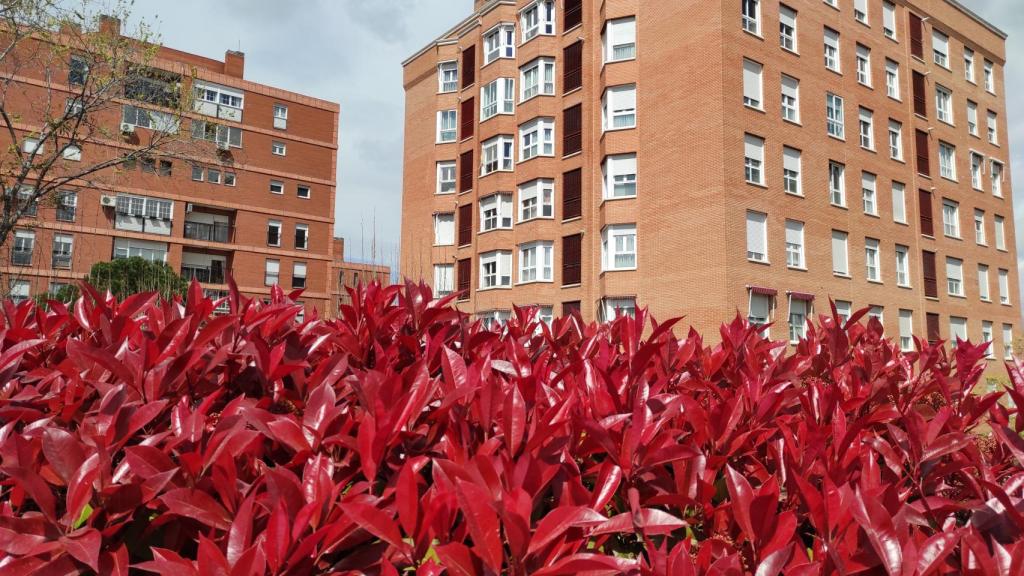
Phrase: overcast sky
(350, 51)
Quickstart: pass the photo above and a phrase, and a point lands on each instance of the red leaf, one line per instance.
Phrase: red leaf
(482, 521)
(240, 533)
(374, 521)
(514, 419)
(774, 562)
(557, 521)
(407, 498)
(741, 496)
(198, 506)
(63, 452)
(84, 547)
(80, 488)
(277, 540)
(935, 551)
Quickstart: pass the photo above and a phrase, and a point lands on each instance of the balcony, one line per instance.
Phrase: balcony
(216, 232)
(203, 267)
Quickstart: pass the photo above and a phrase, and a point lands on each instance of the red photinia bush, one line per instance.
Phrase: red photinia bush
(152, 437)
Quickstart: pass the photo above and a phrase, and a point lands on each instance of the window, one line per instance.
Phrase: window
(468, 114)
(920, 99)
(837, 183)
(895, 140)
(620, 39)
(495, 269)
(760, 308)
(280, 116)
(276, 187)
(832, 61)
(840, 254)
(906, 330)
(752, 16)
(990, 81)
(465, 224)
(979, 226)
(983, 292)
(497, 97)
(977, 167)
(143, 214)
(444, 229)
(537, 138)
(619, 176)
(752, 84)
(198, 173)
(273, 233)
(871, 260)
(612, 308)
(997, 179)
(892, 79)
(902, 266)
(300, 191)
(537, 199)
(572, 253)
(272, 272)
(1008, 341)
(24, 244)
(947, 161)
(993, 128)
(537, 78)
(572, 194)
(572, 130)
(798, 312)
(1000, 232)
(795, 244)
(448, 76)
(536, 262)
(496, 212)
(950, 218)
(944, 104)
(72, 152)
(899, 203)
(538, 18)
(66, 206)
(923, 163)
(867, 128)
(301, 236)
(444, 280)
(166, 123)
(298, 275)
(954, 276)
(878, 313)
(1004, 286)
(757, 236)
(497, 155)
(229, 135)
(618, 247)
(754, 159)
(834, 116)
(78, 71)
(860, 11)
(863, 65)
(986, 338)
(446, 177)
(889, 19)
(940, 48)
(791, 181)
(213, 176)
(20, 290)
(447, 126)
(499, 42)
(619, 105)
(916, 26)
(868, 186)
(572, 75)
(844, 310)
(924, 198)
(573, 14)
(972, 118)
(957, 330)
(790, 99)
(787, 28)
(969, 65)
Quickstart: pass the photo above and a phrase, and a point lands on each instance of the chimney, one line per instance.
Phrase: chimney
(69, 28)
(110, 26)
(234, 63)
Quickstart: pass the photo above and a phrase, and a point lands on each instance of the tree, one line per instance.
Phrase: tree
(126, 276)
(64, 73)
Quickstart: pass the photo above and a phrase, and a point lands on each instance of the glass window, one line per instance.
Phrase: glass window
(619, 176)
(619, 247)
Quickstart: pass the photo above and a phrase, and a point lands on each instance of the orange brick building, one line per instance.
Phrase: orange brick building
(706, 158)
(348, 274)
(255, 198)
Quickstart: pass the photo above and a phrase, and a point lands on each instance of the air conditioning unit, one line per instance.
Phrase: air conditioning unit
(223, 146)
(127, 128)
(108, 200)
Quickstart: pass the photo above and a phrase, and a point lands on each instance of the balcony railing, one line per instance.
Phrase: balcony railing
(21, 257)
(207, 232)
(201, 274)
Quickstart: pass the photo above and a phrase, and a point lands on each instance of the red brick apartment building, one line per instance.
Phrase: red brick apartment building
(352, 274)
(701, 158)
(260, 206)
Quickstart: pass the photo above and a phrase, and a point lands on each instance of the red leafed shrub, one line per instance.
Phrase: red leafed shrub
(152, 437)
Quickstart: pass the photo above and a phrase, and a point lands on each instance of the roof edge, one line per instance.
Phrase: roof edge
(974, 15)
(456, 30)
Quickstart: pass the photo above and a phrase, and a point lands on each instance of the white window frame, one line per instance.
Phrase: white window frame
(906, 325)
(1004, 286)
(444, 280)
(899, 202)
(977, 171)
(999, 224)
(616, 240)
(613, 308)
(537, 138)
(795, 254)
(864, 65)
(990, 77)
(792, 179)
(1008, 341)
(889, 19)
(944, 104)
(495, 270)
(833, 56)
(443, 167)
(305, 229)
(788, 37)
(841, 253)
(950, 218)
(537, 79)
(280, 113)
(750, 12)
(496, 212)
(271, 272)
(790, 94)
(753, 84)
(757, 237)
(444, 229)
(873, 260)
(987, 338)
(892, 79)
(537, 19)
(972, 118)
(537, 200)
(619, 103)
(835, 116)
(619, 172)
(499, 42)
(947, 160)
(447, 126)
(619, 40)
(753, 159)
(984, 292)
(497, 154)
(275, 225)
(996, 176)
(969, 65)
(764, 305)
(536, 262)
(895, 140)
(497, 97)
(837, 183)
(902, 254)
(860, 11)
(866, 128)
(955, 277)
(799, 313)
(448, 77)
(979, 228)
(278, 148)
(993, 127)
(869, 193)
(940, 48)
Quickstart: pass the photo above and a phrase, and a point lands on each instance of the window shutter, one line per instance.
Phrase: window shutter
(922, 153)
(465, 224)
(920, 99)
(467, 118)
(925, 209)
(790, 87)
(752, 80)
(916, 35)
(572, 194)
(572, 254)
(570, 308)
(934, 335)
(787, 16)
(794, 232)
(791, 159)
(465, 278)
(889, 16)
(906, 323)
(756, 228)
(468, 66)
(466, 170)
(573, 76)
(931, 284)
(572, 126)
(840, 255)
(573, 14)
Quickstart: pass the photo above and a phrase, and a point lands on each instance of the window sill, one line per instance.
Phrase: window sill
(891, 37)
(440, 142)
(489, 289)
(865, 85)
(579, 153)
(573, 219)
(869, 149)
(441, 194)
(576, 285)
(873, 215)
(617, 198)
(631, 59)
(834, 71)
(840, 206)
(565, 32)
(793, 122)
(797, 268)
(528, 282)
(957, 238)
(897, 222)
(619, 129)
(754, 34)
(482, 232)
(986, 300)
(576, 89)
(905, 286)
(759, 262)
(444, 245)
(876, 282)
(958, 296)
(534, 97)
(757, 185)
(1007, 304)
(841, 275)
(839, 138)
(900, 160)
(536, 218)
(795, 194)
(793, 52)
(612, 270)
(506, 171)
(754, 108)
(521, 162)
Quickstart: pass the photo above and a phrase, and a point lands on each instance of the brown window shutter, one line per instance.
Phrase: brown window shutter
(570, 308)
(572, 194)
(931, 282)
(573, 14)
(464, 277)
(920, 100)
(572, 255)
(921, 141)
(934, 335)
(573, 76)
(572, 127)
(467, 118)
(468, 66)
(924, 207)
(466, 170)
(465, 224)
(916, 35)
